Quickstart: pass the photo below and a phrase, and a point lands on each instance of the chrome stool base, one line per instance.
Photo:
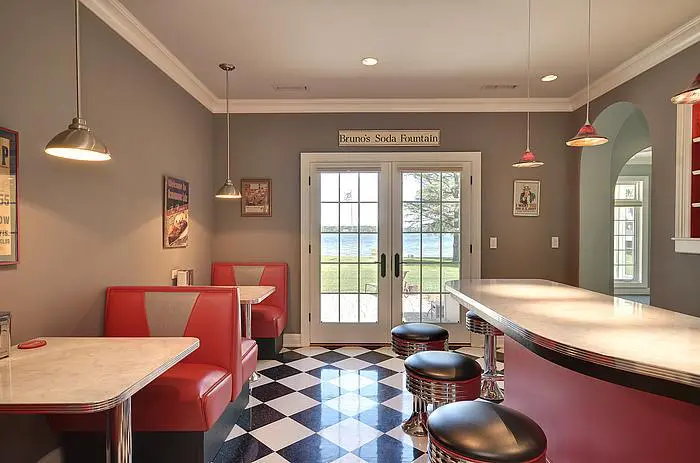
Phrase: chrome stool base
(490, 390)
(415, 424)
(489, 387)
(403, 348)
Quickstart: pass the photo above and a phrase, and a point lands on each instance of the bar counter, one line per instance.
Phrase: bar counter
(609, 380)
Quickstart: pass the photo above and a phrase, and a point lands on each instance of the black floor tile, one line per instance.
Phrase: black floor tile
(319, 417)
(242, 449)
(386, 449)
(313, 449)
(382, 418)
(379, 392)
(323, 392)
(280, 372)
(270, 391)
(330, 357)
(286, 357)
(326, 373)
(373, 357)
(376, 373)
(258, 416)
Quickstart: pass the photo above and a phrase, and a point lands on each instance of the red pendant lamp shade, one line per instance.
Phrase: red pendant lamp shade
(528, 160)
(689, 96)
(587, 135)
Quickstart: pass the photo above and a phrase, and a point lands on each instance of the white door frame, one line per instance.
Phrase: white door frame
(473, 157)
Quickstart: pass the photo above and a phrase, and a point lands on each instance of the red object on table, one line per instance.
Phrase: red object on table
(33, 344)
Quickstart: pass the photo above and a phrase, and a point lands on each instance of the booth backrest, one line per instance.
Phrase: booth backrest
(209, 313)
(253, 274)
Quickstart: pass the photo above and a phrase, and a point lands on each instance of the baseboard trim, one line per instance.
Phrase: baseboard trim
(292, 340)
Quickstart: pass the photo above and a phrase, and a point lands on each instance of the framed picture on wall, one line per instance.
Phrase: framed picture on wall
(176, 213)
(526, 198)
(256, 200)
(9, 212)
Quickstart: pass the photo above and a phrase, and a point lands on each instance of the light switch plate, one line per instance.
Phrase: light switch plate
(493, 242)
(173, 274)
(555, 242)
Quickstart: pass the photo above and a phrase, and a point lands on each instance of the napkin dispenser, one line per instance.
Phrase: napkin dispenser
(5, 334)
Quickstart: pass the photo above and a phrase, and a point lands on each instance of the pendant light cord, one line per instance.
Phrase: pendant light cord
(529, 47)
(588, 68)
(79, 108)
(228, 134)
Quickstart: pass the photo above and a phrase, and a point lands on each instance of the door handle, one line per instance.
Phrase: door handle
(397, 265)
(382, 265)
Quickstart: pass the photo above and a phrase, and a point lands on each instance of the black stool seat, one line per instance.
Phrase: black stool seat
(443, 366)
(420, 332)
(486, 432)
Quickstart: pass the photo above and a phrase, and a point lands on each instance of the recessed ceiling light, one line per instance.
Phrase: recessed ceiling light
(369, 61)
(549, 77)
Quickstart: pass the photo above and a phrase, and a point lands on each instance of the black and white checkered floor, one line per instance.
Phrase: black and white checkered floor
(328, 405)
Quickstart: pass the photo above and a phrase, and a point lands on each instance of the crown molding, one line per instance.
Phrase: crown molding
(675, 42)
(394, 105)
(116, 16)
(119, 18)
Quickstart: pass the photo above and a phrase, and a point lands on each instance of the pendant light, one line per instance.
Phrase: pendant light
(78, 142)
(691, 95)
(528, 157)
(587, 135)
(228, 190)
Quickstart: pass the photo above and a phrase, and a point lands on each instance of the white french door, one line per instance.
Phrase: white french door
(385, 232)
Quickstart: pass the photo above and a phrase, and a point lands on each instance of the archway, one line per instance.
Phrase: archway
(628, 130)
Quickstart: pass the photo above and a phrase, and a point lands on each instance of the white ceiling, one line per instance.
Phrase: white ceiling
(427, 49)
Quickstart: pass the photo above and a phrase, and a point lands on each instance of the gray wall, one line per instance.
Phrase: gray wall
(673, 276)
(87, 226)
(269, 146)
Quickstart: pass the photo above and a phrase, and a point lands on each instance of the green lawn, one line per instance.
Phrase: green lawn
(350, 278)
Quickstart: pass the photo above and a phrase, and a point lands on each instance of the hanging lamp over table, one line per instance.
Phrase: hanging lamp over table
(228, 190)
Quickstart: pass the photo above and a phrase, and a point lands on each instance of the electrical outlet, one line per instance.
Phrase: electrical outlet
(555, 242)
(493, 242)
(173, 274)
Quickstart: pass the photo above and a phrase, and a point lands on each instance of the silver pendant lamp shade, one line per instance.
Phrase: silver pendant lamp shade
(228, 190)
(527, 159)
(78, 142)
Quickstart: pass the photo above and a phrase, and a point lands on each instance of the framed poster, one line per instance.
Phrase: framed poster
(176, 213)
(255, 198)
(9, 212)
(526, 198)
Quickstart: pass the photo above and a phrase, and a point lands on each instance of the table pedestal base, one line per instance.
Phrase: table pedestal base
(119, 441)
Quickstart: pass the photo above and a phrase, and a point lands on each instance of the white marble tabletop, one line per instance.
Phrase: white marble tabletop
(591, 326)
(85, 375)
(254, 294)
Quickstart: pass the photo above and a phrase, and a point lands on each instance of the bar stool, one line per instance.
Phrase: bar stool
(484, 432)
(489, 380)
(438, 378)
(409, 338)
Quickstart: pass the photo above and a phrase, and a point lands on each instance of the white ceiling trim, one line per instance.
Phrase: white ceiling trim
(672, 44)
(394, 105)
(115, 15)
(119, 18)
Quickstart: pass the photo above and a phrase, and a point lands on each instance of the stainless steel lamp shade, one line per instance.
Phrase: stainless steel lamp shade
(79, 143)
(228, 191)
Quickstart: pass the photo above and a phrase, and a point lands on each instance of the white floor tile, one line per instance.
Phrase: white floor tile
(395, 364)
(272, 458)
(350, 434)
(420, 443)
(252, 402)
(262, 380)
(235, 432)
(351, 404)
(352, 351)
(311, 351)
(352, 364)
(265, 364)
(398, 381)
(292, 403)
(386, 351)
(473, 351)
(300, 381)
(306, 364)
(351, 381)
(349, 458)
(282, 433)
(402, 403)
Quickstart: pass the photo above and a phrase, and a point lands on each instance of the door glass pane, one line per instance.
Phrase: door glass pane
(349, 247)
(431, 224)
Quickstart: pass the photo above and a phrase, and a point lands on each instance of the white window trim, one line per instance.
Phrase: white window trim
(473, 157)
(644, 236)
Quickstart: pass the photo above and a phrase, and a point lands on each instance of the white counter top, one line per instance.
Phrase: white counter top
(85, 375)
(254, 294)
(589, 326)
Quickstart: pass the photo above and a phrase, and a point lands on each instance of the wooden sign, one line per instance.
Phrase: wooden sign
(388, 138)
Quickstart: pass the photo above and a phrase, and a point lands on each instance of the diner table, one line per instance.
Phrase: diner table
(249, 295)
(88, 375)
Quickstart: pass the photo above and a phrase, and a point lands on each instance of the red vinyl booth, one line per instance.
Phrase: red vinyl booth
(270, 317)
(193, 394)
